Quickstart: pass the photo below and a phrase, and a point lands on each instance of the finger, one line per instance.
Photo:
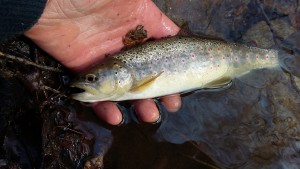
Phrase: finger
(157, 23)
(172, 103)
(146, 110)
(108, 112)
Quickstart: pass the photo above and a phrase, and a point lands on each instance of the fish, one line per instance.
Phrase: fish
(174, 65)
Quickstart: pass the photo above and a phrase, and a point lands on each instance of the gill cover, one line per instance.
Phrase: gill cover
(124, 77)
(115, 79)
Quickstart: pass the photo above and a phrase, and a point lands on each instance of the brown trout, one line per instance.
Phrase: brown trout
(173, 65)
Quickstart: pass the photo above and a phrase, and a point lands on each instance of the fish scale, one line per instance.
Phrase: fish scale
(176, 56)
(172, 65)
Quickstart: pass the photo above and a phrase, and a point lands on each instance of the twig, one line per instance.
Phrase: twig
(267, 20)
(27, 62)
(202, 162)
(293, 83)
(51, 89)
(66, 128)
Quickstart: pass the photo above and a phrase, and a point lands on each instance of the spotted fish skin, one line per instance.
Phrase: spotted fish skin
(171, 65)
(177, 55)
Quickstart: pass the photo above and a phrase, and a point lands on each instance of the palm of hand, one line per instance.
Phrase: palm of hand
(81, 33)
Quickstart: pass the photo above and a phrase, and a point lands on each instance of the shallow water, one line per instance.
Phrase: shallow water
(243, 127)
(253, 124)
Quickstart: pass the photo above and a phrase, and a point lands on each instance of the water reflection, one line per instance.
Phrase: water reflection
(253, 124)
(239, 127)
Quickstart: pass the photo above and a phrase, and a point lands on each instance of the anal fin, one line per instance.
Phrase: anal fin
(214, 86)
(218, 83)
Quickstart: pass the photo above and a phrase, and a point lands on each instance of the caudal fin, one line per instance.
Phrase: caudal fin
(289, 62)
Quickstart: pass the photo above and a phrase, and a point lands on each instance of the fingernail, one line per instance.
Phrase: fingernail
(125, 119)
(159, 112)
(146, 111)
(172, 106)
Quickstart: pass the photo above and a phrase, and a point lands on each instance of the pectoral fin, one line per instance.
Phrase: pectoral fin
(145, 83)
(218, 83)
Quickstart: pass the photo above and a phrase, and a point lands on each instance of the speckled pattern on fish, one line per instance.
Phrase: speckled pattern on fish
(172, 65)
(166, 56)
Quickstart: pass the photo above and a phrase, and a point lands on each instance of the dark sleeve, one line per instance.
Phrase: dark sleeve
(17, 16)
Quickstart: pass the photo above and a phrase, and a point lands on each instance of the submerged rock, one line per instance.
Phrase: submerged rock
(261, 35)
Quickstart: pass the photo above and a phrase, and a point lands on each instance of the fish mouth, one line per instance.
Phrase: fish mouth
(80, 92)
(76, 93)
(76, 89)
(83, 92)
(86, 97)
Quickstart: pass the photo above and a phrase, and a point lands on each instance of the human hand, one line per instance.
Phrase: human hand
(79, 33)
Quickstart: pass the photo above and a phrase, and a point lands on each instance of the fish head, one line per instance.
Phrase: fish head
(105, 82)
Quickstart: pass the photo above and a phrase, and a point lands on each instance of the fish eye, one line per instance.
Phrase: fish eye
(90, 78)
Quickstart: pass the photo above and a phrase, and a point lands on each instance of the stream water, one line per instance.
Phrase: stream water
(250, 125)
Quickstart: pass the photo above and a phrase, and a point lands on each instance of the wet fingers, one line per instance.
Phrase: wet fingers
(172, 103)
(109, 112)
(146, 110)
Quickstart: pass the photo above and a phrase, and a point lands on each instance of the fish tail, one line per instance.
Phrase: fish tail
(287, 61)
